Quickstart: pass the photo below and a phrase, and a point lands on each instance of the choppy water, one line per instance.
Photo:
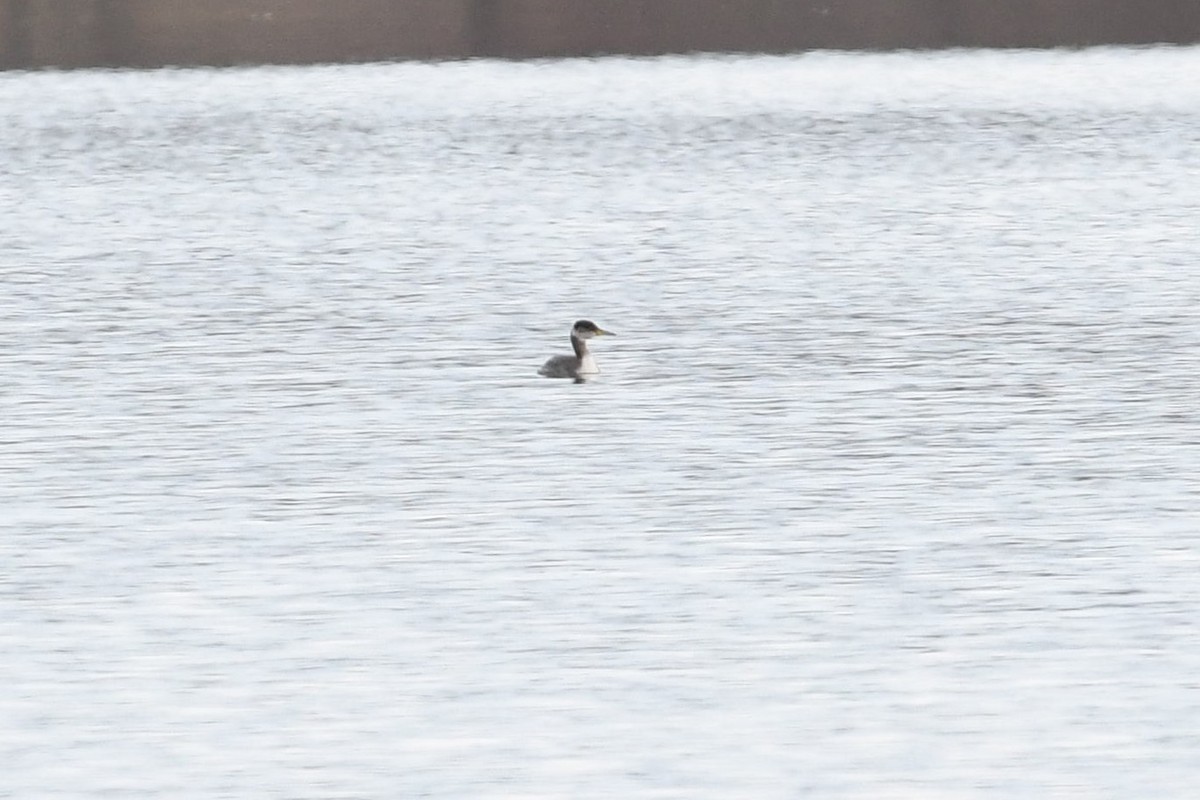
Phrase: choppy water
(888, 488)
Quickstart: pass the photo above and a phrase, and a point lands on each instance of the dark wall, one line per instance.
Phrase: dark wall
(73, 33)
(76, 33)
(539, 27)
(287, 31)
(558, 27)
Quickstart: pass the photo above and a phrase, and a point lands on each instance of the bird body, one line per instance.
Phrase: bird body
(582, 364)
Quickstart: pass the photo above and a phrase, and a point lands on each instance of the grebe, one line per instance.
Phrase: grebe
(582, 364)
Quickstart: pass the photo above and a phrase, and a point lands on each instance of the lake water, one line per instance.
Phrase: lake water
(888, 488)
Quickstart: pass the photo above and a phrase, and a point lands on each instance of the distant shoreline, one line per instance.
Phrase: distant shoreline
(153, 33)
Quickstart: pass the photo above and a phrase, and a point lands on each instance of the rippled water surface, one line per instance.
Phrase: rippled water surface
(888, 488)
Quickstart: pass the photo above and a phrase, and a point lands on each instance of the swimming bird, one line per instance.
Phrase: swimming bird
(582, 364)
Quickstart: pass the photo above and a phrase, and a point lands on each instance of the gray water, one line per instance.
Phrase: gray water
(888, 487)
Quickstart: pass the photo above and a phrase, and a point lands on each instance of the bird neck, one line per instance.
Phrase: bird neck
(580, 347)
